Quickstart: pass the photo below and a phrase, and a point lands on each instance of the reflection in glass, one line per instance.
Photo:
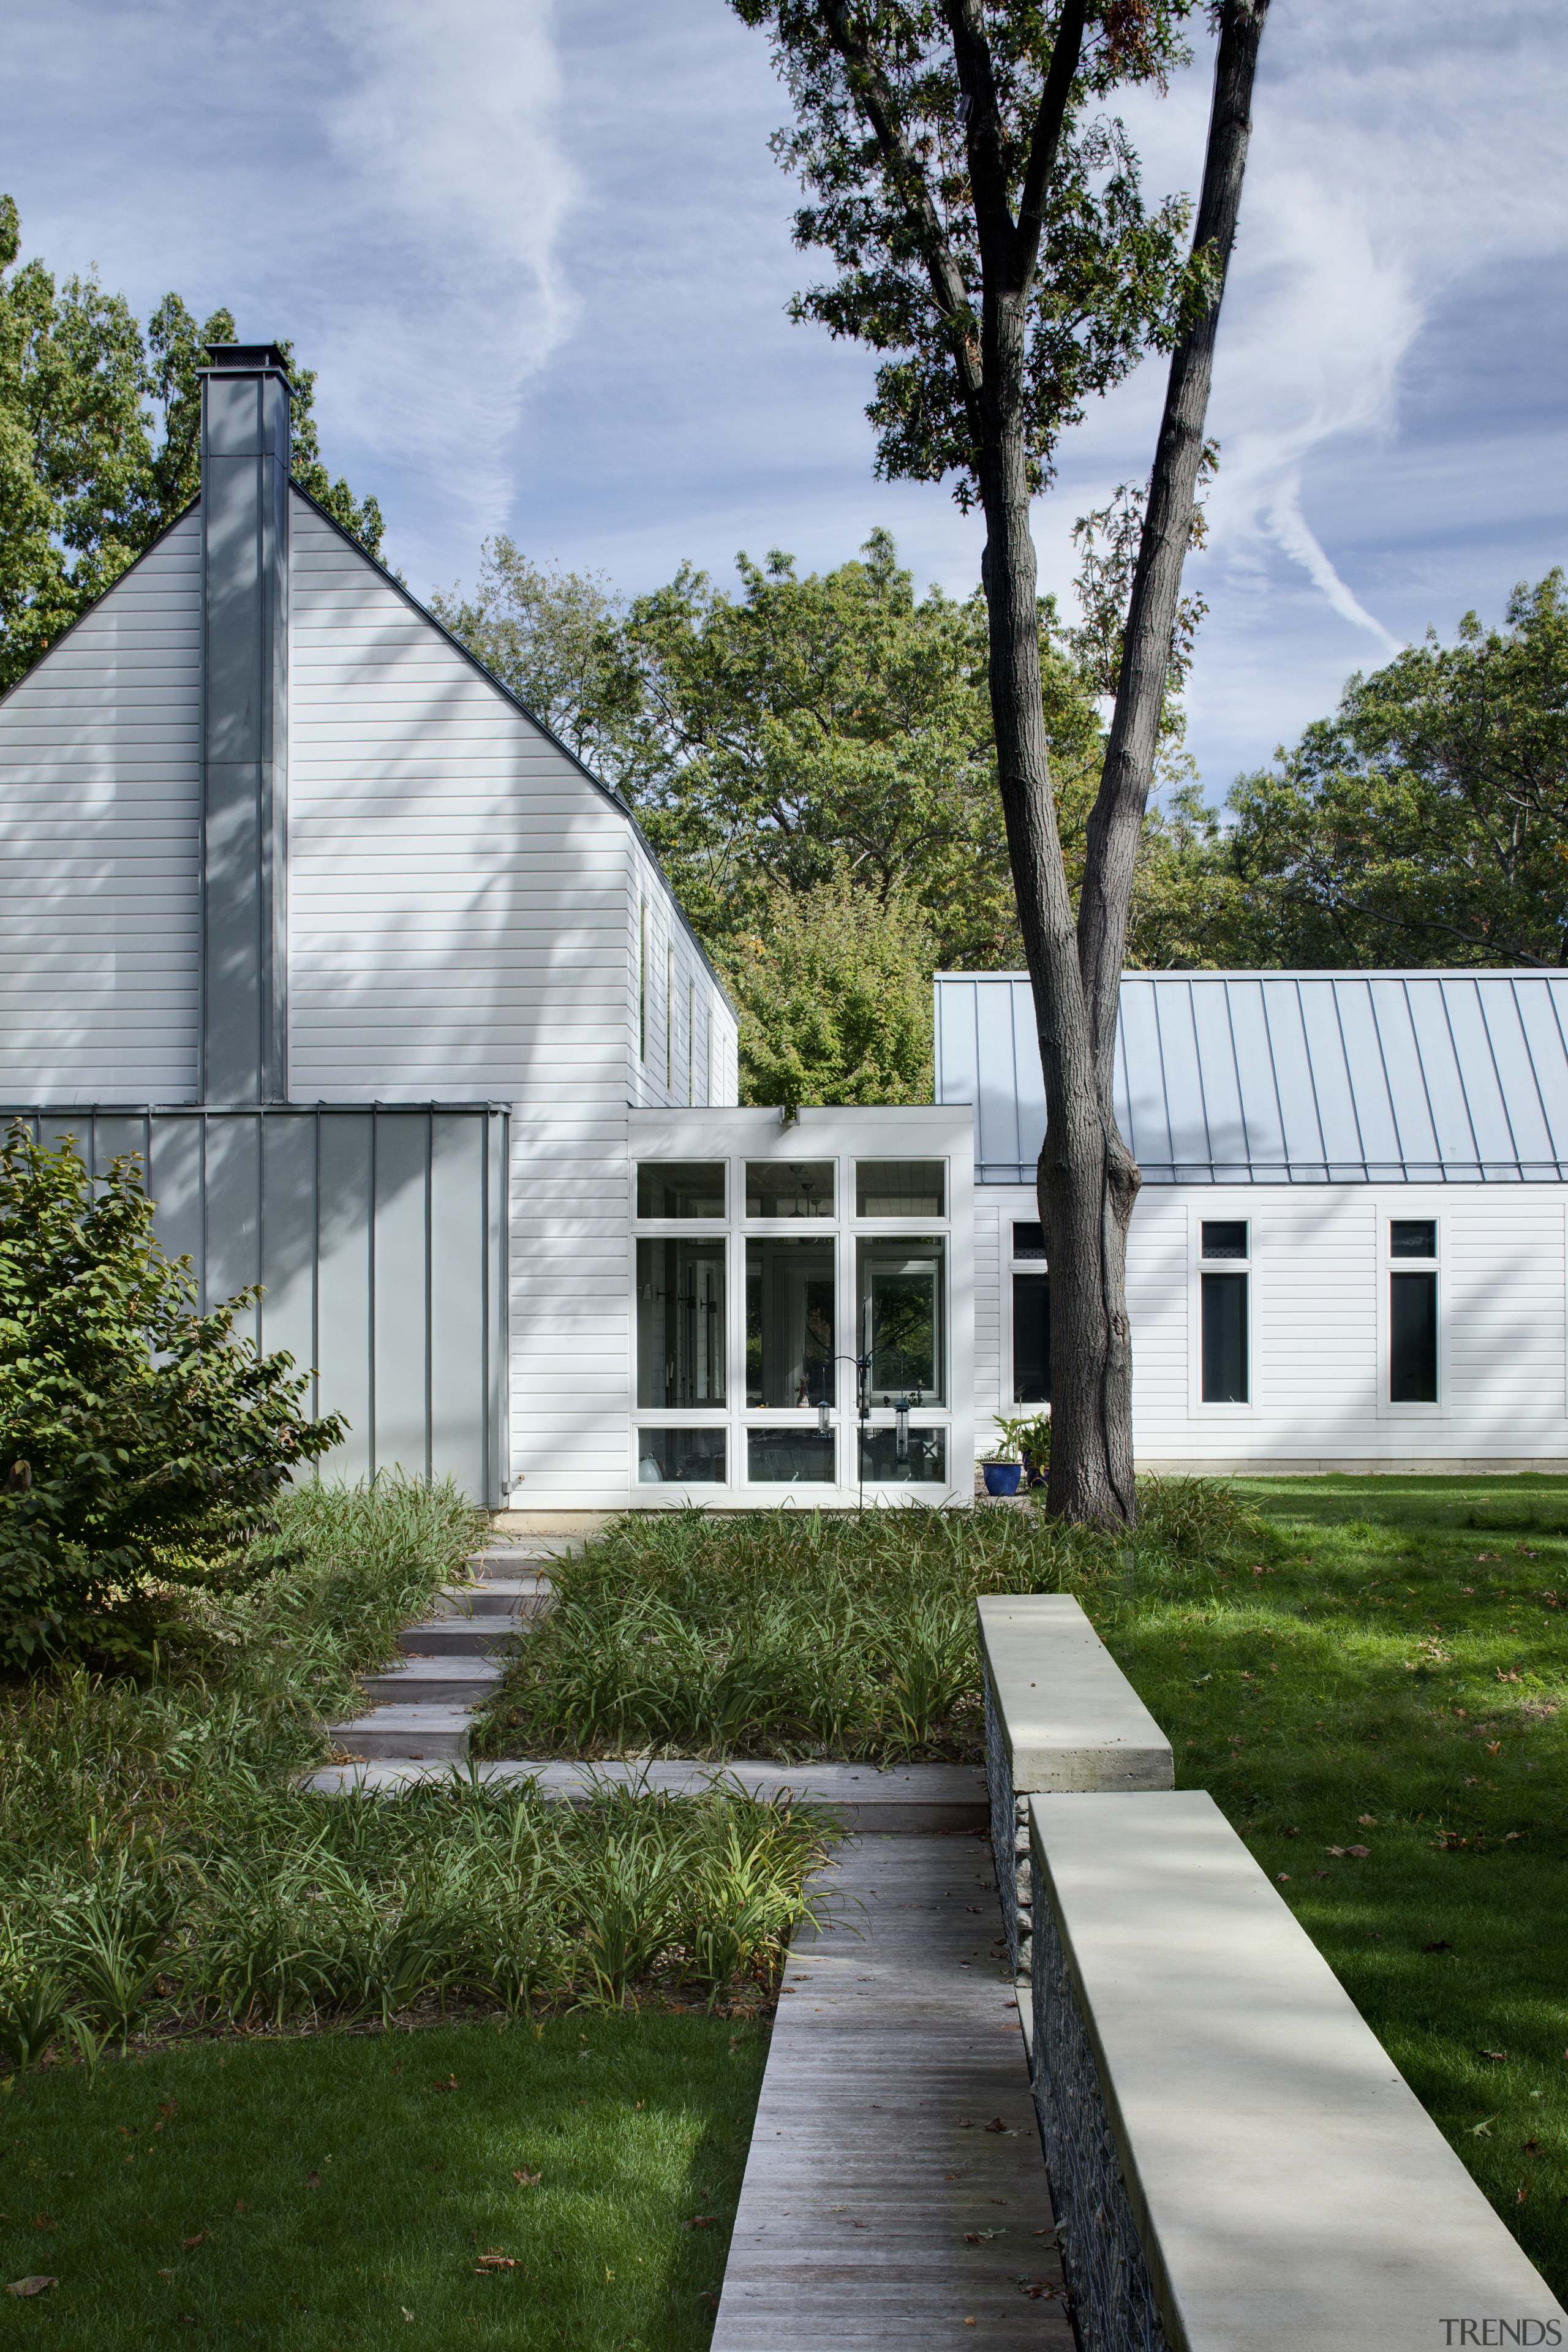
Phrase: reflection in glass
(685, 1457)
(902, 1315)
(789, 1321)
(925, 1466)
(680, 1322)
(1413, 1237)
(1224, 1339)
(681, 1187)
(900, 1188)
(1225, 1237)
(1031, 1339)
(1412, 1332)
(789, 1188)
(789, 1457)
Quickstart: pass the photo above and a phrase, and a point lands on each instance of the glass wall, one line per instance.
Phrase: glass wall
(762, 1283)
(789, 1322)
(680, 1321)
(902, 1294)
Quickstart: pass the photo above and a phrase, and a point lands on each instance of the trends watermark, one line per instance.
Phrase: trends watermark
(1458, 2332)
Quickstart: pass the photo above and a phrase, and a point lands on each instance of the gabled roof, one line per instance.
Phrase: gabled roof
(1281, 1077)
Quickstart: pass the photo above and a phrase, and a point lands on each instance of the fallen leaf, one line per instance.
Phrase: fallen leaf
(1484, 2125)
(240, 2206)
(1442, 1945)
(701, 2220)
(1320, 1874)
(996, 2124)
(1336, 1850)
(488, 2264)
(1532, 2147)
(1494, 1746)
(449, 2084)
(407, 2314)
(1360, 1852)
(982, 2237)
(640, 2106)
(1367, 1820)
(1283, 1876)
(35, 2286)
(313, 2180)
(187, 2244)
(1496, 2054)
(168, 2109)
(964, 2124)
(526, 2179)
(45, 2222)
(1292, 1833)
(1521, 2194)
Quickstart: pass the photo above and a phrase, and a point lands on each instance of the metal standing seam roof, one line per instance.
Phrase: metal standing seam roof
(1288, 1078)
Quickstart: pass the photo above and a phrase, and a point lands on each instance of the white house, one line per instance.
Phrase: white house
(391, 994)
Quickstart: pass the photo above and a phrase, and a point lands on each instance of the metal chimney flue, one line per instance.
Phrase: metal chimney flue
(245, 724)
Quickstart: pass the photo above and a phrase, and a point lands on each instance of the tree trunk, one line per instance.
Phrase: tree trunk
(1088, 1179)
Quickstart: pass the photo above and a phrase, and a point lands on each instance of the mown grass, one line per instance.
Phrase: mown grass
(166, 1873)
(794, 1634)
(337, 2193)
(1359, 1662)
(1389, 1669)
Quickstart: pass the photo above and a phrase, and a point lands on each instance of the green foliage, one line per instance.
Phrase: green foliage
(164, 1865)
(1426, 823)
(100, 443)
(834, 997)
(142, 1444)
(779, 1634)
(1025, 1437)
(1112, 279)
(555, 639)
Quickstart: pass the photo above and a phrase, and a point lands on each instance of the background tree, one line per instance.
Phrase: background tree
(1426, 823)
(556, 637)
(100, 433)
(835, 996)
(991, 240)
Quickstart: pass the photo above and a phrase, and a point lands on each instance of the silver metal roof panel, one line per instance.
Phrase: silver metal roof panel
(1231, 1077)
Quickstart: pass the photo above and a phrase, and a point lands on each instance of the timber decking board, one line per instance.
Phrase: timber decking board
(896, 2042)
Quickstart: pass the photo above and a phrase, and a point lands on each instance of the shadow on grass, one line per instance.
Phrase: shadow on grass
(339, 2192)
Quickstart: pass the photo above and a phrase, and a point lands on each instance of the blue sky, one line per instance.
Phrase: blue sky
(540, 256)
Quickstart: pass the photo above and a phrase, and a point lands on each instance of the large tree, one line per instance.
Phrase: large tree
(991, 241)
(1426, 823)
(99, 431)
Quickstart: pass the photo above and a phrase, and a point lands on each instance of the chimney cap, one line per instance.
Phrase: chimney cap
(245, 359)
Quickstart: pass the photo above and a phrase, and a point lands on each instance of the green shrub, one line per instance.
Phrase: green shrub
(141, 1444)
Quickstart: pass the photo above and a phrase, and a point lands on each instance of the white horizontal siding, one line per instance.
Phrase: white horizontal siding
(100, 846)
(1319, 1373)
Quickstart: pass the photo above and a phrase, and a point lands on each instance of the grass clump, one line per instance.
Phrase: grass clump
(167, 1872)
(785, 1634)
(344, 2192)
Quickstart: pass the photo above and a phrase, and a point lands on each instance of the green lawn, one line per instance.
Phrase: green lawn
(339, 2191)
(1397, 1677)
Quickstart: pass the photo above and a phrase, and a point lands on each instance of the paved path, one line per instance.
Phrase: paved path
(872, 2178)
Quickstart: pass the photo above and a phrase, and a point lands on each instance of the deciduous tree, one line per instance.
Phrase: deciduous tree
(991, 240)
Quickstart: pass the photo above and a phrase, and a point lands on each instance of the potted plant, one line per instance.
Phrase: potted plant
(1001, 1467)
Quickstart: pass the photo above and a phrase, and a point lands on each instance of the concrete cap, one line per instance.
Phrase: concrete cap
(1070, 1717)
(1288, 2187)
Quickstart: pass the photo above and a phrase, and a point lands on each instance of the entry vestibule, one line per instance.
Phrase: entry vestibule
(803, 1321)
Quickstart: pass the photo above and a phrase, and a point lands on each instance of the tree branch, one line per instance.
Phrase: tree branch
(869, 85)
(1116, 824)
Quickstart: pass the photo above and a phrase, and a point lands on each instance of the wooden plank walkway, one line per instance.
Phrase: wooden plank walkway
(876, 2207)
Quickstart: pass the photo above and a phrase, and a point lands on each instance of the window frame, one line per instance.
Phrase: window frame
(1012, 1264)
(1389, 1213)
(1221, 1211)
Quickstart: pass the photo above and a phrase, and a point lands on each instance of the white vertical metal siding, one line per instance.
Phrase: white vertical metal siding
(100, 846)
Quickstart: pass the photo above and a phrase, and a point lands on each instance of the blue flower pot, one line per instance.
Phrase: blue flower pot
(1002, 1477)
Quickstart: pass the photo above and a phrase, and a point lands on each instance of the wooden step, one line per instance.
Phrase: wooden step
(451, 1682)
(427, 1734)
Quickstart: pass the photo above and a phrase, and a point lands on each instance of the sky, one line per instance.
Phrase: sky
(540, 256)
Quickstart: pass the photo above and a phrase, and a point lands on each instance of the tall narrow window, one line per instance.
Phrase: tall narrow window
(691, 1042)
(642, 981)
(708, 1053)
(1031, 1316)
(1413, 1310)
(668, 1020)
(1224, 1365)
